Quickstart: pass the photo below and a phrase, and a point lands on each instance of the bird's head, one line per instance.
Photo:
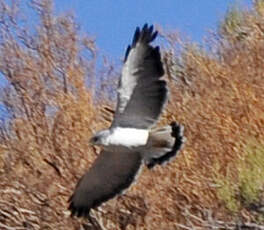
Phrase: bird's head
(100, 138)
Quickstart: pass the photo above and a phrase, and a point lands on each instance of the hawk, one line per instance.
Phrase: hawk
(132, 140)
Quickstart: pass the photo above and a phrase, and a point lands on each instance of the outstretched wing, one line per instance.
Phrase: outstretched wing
(141, 93)
(110, 174)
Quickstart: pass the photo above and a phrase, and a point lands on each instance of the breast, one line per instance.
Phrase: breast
(128, 137)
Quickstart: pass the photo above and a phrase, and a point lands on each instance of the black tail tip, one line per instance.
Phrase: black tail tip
(178, 134)
(177, 131)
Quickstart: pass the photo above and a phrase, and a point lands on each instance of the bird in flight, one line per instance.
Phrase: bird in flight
(132, 139)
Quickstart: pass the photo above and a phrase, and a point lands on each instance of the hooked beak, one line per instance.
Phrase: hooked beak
(91, 142)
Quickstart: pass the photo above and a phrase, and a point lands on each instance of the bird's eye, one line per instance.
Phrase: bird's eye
(93, 140)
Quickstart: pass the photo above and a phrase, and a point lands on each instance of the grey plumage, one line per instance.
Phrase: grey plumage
(110, 174)
(141, 98)
(172, 140)
(141, 93)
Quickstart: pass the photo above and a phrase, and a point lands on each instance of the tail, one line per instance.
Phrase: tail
(163, 144)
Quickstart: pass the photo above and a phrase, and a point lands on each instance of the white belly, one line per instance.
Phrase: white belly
(128, 137)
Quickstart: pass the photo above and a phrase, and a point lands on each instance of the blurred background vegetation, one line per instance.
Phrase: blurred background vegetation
(53, 101)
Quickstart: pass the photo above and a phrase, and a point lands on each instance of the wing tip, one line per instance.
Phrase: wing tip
(78, 211)
(144, 35)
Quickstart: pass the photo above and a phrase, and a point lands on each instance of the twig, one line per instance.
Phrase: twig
(11, 228)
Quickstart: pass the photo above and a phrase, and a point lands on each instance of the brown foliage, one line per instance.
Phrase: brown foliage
(53, 115)
(217, 96)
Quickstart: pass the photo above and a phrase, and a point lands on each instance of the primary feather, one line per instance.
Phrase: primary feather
(141, 92)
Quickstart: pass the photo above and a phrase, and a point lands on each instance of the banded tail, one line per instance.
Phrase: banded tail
(164, 143)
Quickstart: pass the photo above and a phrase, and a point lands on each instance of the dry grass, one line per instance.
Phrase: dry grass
(218, 95)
